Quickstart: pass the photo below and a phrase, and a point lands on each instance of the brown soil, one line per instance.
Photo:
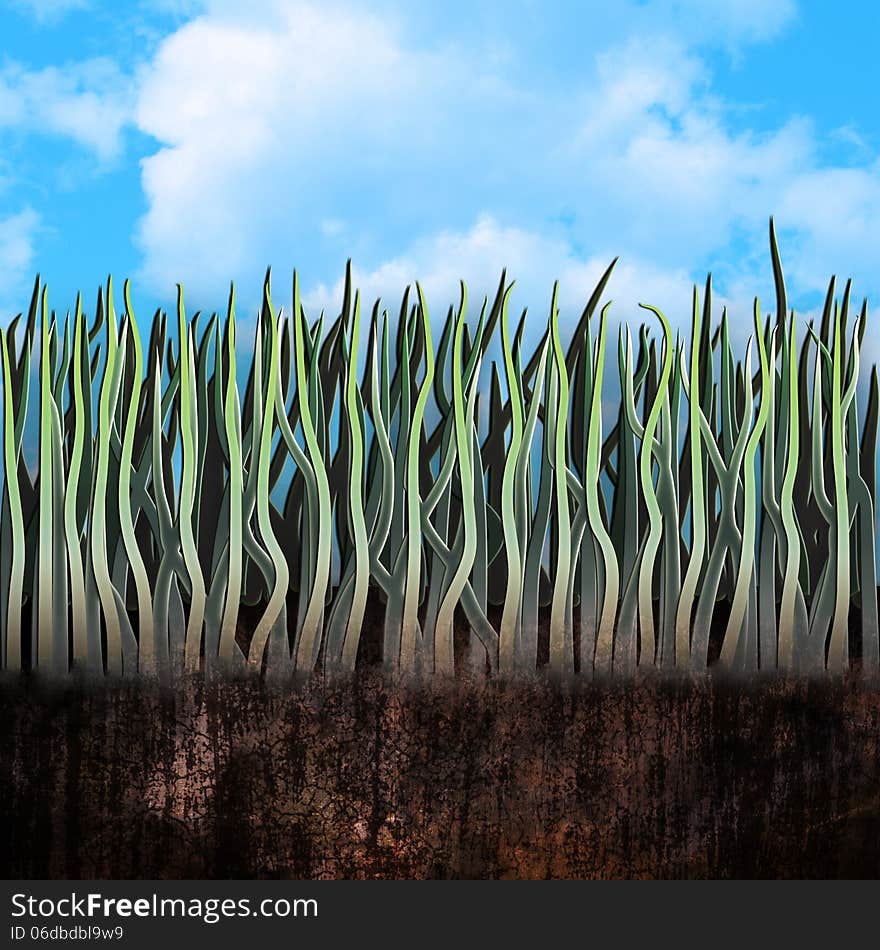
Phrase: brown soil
(366, 778)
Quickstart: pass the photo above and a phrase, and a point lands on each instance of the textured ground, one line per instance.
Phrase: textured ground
(368, 779)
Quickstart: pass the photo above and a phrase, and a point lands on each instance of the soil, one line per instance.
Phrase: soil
(369, 778)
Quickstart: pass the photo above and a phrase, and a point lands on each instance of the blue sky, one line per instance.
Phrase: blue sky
(203, 141)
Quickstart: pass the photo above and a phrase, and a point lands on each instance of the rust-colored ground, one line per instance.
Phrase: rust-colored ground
(370, 779)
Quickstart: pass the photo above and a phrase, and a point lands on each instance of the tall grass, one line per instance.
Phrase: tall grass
(709, 512)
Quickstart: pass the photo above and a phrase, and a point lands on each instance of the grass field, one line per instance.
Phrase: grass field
(592, 505)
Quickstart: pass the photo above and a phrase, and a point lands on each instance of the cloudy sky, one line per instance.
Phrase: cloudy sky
(202, 141)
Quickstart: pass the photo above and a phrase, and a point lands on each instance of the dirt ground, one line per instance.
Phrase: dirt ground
(367, 778)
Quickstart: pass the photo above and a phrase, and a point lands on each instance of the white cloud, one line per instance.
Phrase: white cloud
(835, 216)
(292, 133)
(88, 102)
(265, 126)
(662, 163)
(534, 261)
(17, 233)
